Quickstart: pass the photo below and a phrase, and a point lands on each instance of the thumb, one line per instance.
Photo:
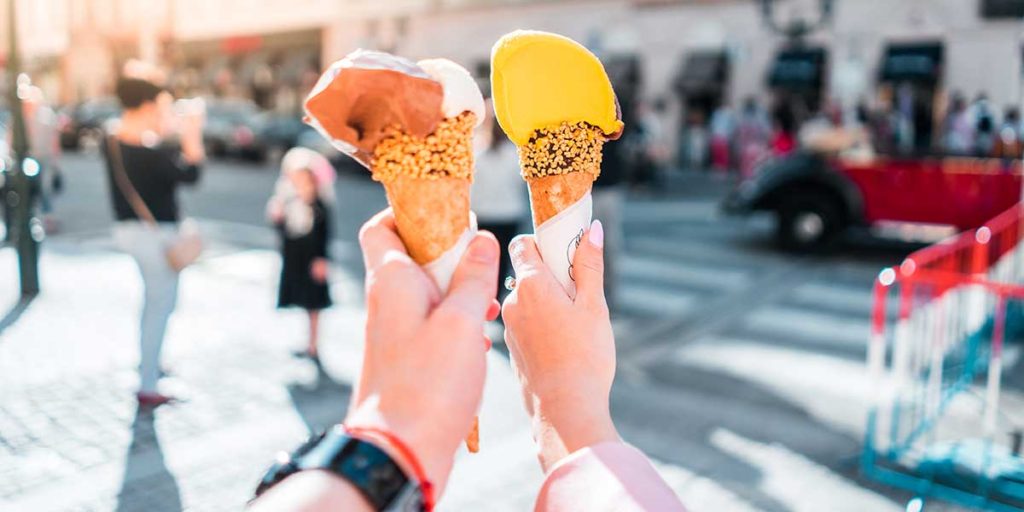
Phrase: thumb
(588, 267)
(473, 288)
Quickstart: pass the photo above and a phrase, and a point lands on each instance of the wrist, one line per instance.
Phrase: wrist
(434, 459)
(561, 429)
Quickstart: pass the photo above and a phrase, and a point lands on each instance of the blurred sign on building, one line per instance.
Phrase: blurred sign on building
(919, 62)
(1002, 8)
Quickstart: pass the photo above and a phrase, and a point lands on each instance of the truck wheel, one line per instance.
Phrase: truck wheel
(808, 222)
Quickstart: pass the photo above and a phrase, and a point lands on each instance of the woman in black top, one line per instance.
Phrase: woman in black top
(300, 211)
(154, 172)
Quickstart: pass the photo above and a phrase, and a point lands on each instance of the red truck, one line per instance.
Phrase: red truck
(817, 197)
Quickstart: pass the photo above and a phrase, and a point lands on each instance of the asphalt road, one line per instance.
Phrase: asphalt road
(741, 368)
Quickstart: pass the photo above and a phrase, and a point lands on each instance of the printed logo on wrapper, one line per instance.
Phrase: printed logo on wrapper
(570, 252)
(558, 238)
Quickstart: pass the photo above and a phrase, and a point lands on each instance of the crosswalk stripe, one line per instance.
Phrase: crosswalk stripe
(661, 211)
(641, 299)
(827, 330)
(772, 366)
(697, 251)
(661, 270)
(843, 298)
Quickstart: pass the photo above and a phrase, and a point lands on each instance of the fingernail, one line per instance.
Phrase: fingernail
(483, 252)
(596, 234)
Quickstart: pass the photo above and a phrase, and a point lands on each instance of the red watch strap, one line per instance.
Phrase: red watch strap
(426, 487)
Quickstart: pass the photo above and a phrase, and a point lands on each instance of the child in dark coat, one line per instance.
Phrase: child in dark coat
(300, 209)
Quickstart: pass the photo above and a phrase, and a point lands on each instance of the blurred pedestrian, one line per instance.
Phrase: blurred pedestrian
(984, 126)
(144, 177)
(609, 196)
(783, 129)
(654, 153)
(301, 210)
(958, 128)
(883, 122)
(695, 140)
(44, 147)
(753, 133)
(499, 194)
(722, 127)
(1009, 143)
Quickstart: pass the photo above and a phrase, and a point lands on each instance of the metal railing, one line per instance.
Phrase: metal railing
(935, 364)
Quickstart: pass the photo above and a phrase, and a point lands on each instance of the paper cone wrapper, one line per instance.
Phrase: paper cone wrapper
(434, 221)
(562, 211)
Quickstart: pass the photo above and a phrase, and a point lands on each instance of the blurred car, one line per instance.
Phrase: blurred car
(81, 125)
(343, 164)
(280, 132)
(816, 197)
(233, 128)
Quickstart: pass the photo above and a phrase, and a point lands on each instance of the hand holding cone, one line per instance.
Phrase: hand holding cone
(411, 124)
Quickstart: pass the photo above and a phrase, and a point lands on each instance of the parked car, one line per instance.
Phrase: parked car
(343, 164)
(233, 128)
(280, 132)
(815, 197)
(81, 125)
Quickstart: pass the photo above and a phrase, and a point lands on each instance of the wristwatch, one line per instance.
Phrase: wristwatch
(368, 468)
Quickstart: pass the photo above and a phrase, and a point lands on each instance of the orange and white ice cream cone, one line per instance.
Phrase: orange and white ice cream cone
(412, 125)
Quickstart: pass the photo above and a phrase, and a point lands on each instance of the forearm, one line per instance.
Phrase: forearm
(192, 150)
(614, 475)
(559, 430)
(313, 491)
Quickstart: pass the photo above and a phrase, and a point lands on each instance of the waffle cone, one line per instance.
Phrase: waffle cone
(430, 214)
(427, 181)
(551, 194)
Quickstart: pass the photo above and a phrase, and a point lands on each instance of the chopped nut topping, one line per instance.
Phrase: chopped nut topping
(562, 149)
(447, 152)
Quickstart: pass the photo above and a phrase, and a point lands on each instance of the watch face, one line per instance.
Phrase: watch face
(368, 468)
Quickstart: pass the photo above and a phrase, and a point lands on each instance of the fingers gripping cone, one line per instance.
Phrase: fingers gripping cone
(427, 181)
(412, 125)
(554, 100)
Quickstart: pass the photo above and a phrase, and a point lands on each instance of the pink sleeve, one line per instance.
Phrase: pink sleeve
(611, 476)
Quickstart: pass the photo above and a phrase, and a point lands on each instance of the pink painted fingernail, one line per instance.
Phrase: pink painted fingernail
(597, 234)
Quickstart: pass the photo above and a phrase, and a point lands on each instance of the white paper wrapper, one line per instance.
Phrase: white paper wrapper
(442, 269)
(558, 237)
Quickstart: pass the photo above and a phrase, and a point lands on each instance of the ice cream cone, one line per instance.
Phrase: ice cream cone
(427, 181)
(549, 195)
(412, 125)
(554, 100)
(430, 215)
(560, 165)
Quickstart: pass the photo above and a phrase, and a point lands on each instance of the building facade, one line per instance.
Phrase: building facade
(78, 44)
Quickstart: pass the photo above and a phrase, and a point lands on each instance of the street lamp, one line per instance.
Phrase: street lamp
(24, 231)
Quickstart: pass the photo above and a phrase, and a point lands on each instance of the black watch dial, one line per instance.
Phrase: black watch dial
(367, 467)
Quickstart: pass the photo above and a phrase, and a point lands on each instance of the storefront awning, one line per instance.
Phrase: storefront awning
(802, 68)
(623, 71)
(703, 72)
(912, 62)
(1002, 9)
